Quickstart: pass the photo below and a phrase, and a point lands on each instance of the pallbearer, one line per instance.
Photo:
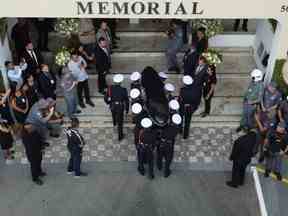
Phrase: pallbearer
(165, 149)
(169, 88)
(174, 107)
(145, 147)
(163, 76)
(135, 78)
(117, 98)
(189, 99)
(135, 96)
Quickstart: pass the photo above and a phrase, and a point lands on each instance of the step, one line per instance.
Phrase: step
(227, 86)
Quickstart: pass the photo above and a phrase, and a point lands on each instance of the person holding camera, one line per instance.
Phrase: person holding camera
(276, 146)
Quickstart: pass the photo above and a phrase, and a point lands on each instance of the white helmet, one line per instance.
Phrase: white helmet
(176, 119)
(118, 78)
(136, 108)
(163, 75)
(169, 87)
(174, 105)
(146, 123)
(135, 76)
(256, 75)
(134, 93)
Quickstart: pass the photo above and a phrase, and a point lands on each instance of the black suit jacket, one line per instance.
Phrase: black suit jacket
(243, 147)
(32, 65)
(190, 62)
(102, 60)
(200, 77)
(47, 85)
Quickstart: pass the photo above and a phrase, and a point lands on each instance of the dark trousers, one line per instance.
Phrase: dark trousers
(118, 117)
(75, 160)
(83, 87)
(207, 102)
(237, 23)
(165, 151)
(187, 114)
(102, 85)
(238, 172)
(145, 154)
(35, 166)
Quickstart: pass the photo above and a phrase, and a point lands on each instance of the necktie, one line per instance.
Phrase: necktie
(33, 56)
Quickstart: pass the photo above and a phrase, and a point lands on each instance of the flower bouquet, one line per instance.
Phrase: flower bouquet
(212, 26)
(67, 26)
(212, 56)
(62, 56)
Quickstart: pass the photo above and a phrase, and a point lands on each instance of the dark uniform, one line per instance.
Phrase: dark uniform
(47, 85)
(34, 146)
(165, 148)
(117, 97)
(210, 80)
(145, 148)
(136, 84)
(190, 61)
(75, 147)
(241, 155)
(189, 100)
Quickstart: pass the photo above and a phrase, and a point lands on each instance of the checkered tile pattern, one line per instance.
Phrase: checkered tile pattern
(204, 145)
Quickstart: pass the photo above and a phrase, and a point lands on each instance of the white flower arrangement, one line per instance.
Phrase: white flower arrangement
(212, 56)
(62, 57)
(67, 26)
(212, 26)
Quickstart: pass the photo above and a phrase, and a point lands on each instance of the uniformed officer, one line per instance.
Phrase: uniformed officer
(75, 147)
(275, 145)
(117, 98)
(163, 76)
(135, 96)
(34, 146)
(270, 102)
(189, 100)
(242, 152)
(169, 88)
(174, 107)
(252, 97)
(145, 147)
(165, 148)
(137, 116)
(135, 78)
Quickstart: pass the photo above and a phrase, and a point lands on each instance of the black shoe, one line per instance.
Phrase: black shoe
(82, 105)
(167, 173)
(141, 171)
(38, 181)
(231, 184)
(90, 103)
(177, 70)
(204, 114)
(239, 129)
(159, 166)
(82, 174)
(151, 176)
(267, 173)
(279, 176)
(42, 174)
(78, 111)
(245, 29)
(121, 137)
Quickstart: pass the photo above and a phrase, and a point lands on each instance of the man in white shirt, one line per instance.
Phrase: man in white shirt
(77, 66)
(14, 72)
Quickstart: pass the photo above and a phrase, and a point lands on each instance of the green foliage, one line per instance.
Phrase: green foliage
(278, 76)
(3, 29)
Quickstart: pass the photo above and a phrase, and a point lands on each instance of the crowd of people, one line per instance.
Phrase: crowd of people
(28, 107)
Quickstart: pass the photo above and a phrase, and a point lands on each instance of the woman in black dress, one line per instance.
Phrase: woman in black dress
(20, 105)
(200, 41)
(6, 139)
(208, 89)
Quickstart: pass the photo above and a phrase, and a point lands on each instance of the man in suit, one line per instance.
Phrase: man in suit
(104, 31)
(200, 74)
(103, 63)
(190, 61)
(242, 152)
(47, 83)
(33, 59)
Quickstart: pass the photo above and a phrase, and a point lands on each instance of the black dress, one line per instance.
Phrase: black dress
(21, 103)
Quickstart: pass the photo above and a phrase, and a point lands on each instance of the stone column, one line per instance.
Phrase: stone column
(279, 48)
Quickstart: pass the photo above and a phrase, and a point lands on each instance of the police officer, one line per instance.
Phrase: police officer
(169, 88)
(145, 147)
(174, 107)
(275, 145)
(75, 147)
(135, 96)
(117, 98)
(241, 155)
(165, 148)
(137, 115)
(189, 100)
(34, 146)
(252, 98)
(135, 78)
(163, 76)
